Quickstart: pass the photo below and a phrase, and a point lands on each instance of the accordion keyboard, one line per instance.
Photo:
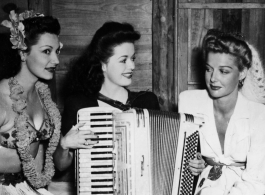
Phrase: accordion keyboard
(95, 167)
(139, 151)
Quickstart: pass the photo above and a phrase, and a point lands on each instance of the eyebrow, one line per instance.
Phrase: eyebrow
(221, 66)
(49, 46)
(46, 46)
(125, 56)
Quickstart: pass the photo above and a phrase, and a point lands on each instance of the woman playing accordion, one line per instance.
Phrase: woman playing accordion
(233, 140)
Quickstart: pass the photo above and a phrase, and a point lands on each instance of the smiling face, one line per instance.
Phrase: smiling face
(119, 69)
(42, 59)
(222, 75)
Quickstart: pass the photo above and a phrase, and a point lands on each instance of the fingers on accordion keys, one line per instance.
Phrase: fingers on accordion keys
(205, 164)
(86, 143)
(198, 156)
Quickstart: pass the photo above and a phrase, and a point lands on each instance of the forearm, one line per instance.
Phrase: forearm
(9, 161)
(247, 188)
(62, 157)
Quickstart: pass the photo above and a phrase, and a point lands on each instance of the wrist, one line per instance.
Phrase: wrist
(63, 144)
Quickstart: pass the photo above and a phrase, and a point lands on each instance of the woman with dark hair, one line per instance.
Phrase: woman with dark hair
(232, 140)
(99, 78)
(29, 119)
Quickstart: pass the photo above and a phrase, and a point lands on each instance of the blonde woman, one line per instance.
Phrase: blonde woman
(233, 140)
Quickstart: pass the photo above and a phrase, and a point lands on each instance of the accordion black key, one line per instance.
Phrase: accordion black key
(139, 152)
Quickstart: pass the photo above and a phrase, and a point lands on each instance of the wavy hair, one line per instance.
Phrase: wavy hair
(86, 75)
(217, 41)
(10, 61)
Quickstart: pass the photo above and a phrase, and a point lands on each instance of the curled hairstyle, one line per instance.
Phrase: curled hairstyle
(86, 75)
(10, 61)
(217, 41)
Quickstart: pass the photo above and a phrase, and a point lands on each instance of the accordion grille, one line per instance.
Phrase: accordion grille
(164, 128)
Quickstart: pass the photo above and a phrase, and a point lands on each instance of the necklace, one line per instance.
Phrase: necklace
(24, 137)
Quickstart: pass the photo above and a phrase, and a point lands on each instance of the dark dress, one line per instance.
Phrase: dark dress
(142, 99)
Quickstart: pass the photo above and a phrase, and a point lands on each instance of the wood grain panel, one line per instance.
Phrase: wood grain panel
(163, 38)
(78, 18)
(183, 53)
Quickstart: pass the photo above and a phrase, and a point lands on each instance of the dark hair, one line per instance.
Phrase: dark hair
(86, 75)
(10, 61)
(217, 41)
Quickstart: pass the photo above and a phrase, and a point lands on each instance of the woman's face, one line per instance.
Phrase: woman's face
(42, 60)
(119, 69)
(222, 75)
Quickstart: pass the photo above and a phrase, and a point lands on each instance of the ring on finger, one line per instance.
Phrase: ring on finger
(86, 143)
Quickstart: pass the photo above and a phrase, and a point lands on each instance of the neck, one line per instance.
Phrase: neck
(225, 106)
(27, 81)
(114, 92)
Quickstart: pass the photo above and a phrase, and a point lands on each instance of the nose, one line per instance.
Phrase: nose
(55, 59)
(131, 64)
(213, 77)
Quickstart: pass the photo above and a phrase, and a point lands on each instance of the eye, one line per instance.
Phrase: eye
(47, 51)
(224, 71)
(208, 69)
(58, 51)
(123, 61)
(133, 58)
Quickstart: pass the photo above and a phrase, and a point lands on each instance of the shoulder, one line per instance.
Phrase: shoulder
(256, 111)
(146, 95)
(3, 111)
(257, 122)
(192, 100)
(5, 101)
(145, 99)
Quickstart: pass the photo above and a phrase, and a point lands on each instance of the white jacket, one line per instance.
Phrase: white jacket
(244, 142)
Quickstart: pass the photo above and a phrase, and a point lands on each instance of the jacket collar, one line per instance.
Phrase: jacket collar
(241, 108)
(210, 132)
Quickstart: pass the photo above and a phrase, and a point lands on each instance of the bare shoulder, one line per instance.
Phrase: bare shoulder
(5, 102)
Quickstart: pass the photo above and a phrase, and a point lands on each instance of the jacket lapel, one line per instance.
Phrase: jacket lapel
(238, 124)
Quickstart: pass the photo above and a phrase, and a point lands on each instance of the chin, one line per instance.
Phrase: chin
(50, 77)
(126, 84)
(215, 94)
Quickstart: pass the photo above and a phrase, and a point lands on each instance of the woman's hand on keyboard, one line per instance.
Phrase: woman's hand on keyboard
(197, 165)
(76, 138)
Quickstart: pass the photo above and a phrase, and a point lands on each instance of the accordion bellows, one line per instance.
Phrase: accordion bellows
(138, 152)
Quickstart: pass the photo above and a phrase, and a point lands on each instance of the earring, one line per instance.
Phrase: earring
(241, 82)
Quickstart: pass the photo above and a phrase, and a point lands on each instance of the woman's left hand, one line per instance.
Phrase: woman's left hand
(197, 165)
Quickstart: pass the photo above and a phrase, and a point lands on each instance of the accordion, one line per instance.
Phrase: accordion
(139, 151)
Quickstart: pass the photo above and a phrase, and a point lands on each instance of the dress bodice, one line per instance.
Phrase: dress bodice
(8, 139)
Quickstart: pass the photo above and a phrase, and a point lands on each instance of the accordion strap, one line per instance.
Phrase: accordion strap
(114, 103)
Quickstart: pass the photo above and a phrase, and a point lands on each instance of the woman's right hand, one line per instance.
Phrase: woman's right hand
(76, 139)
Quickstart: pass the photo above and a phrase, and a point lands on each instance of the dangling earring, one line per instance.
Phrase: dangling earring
(22, 56)
(241, 83)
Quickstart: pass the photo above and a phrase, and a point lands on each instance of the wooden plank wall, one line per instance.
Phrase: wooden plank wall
(80, 19)
(163, 51)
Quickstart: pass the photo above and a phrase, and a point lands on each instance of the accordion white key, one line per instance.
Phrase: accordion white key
(138, 152)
